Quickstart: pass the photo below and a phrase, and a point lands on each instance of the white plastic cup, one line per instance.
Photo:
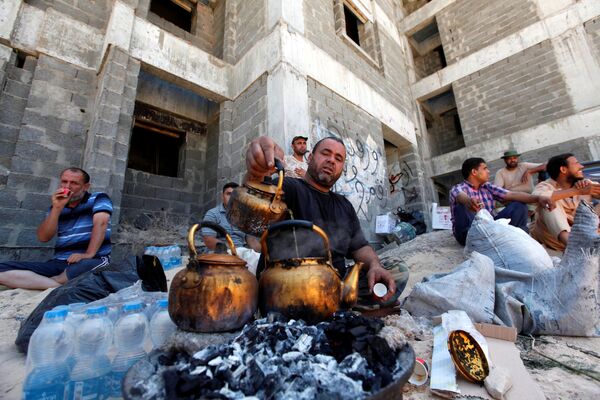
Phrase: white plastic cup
(420, 372)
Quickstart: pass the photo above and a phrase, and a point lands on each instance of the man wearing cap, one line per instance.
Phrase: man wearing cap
(516, 176)
(295, 164)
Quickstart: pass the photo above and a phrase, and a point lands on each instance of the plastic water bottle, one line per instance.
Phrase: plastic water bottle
(161, 325)
(130, 333)
(175, 256)
(49, 347)
(91, 372)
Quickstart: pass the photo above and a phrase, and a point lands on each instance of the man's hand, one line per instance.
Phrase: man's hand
(470, 203)
(76, 257)
(60, 198)
(587, 187)
(260, 157)
(377, 274)
(300, 172)
(546, 202)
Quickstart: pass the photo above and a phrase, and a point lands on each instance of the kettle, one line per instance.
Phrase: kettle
(306, 288)
(215, 292)
(253, 206)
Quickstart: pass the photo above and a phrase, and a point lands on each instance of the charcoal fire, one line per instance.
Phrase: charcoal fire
(342, 358)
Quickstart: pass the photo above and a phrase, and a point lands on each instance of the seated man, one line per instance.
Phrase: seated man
(248, 247)
(516, 176)
(476, 193)
(81, 222)
(567, 188)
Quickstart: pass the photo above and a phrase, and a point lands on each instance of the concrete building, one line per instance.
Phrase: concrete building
(158, 99)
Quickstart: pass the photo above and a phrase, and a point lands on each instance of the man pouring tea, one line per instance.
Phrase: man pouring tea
(312, 199)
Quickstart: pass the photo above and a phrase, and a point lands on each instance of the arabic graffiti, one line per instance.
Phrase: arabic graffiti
(401, 180)
(363, 179)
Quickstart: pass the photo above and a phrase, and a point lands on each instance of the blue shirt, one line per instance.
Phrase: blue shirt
(218, 215)
(75, 226)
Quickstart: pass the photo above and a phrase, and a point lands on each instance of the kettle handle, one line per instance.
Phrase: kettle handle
(294, 223)
(215, 227)
(281, 171)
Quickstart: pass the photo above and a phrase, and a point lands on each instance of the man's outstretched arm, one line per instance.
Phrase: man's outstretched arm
(376, 272)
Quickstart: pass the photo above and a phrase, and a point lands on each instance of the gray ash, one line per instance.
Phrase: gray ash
(275, 359)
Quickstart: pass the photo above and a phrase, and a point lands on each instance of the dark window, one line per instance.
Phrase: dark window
(178, 12)
(440, 51)
(352, 24)
(457, 126)
(155, 149)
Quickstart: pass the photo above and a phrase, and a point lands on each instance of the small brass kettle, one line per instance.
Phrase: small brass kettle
(253, 206)
(304, 288)
(215, 292)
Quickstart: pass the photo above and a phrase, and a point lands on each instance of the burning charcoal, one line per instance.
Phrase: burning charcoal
(168, 358)
(206, 354)
(304, 343)
(382, 352)
(198, 370)
(188, 384)
(215, 361)
(292, 356)
(354, 366)
(360, 330)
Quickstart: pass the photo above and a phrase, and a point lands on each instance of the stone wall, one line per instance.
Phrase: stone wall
(91, 12)
(241, 120)
(469, 25)
(519, 92)
(248, 25)
(364, 181)
(389, 78)
(51, 136)
(592, 28)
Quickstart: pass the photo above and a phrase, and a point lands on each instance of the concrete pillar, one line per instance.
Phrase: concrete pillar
(579, 67)
(9, 10)
(287, 105)
(289, 12)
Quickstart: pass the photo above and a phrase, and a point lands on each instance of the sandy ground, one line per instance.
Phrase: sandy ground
(558, 364)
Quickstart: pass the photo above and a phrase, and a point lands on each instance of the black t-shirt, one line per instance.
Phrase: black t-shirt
(329, 211)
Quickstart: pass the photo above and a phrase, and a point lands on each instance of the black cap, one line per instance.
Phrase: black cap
(299, 137)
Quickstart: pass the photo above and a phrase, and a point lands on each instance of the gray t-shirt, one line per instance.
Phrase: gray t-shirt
(218, 216)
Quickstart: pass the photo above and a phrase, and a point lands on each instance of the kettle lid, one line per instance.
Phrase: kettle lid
(221, 259)
(262, 187)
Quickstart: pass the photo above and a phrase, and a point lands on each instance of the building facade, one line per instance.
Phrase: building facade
(158, 99)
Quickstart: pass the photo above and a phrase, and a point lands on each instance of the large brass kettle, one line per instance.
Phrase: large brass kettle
(215, 292)
(253, 206)
(307, 288)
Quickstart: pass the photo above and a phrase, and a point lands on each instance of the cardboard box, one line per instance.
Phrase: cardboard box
(441, 217)
(385, 224)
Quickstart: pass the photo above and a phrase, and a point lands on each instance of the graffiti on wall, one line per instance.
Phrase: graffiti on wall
(401, 177)
(363, 179)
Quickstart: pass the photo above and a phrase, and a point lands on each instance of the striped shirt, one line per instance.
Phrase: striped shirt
(75, 226)
(486, 194)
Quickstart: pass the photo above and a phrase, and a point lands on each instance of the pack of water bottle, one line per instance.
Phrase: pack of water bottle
(83, 351)
(169, 256)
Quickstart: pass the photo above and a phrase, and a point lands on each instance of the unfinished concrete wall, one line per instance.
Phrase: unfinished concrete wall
(592, 28)
(51, 136)
(15, 81)
(241, 120)
(248, 24)
(469, 25)
(519, 92)
(364, 181)
(388, 76)
(91, 12)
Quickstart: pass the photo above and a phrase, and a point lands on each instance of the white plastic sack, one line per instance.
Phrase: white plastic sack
(508, 247)
(470, 287)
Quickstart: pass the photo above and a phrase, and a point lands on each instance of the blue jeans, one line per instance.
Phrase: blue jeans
(463, 218)
(53, 267)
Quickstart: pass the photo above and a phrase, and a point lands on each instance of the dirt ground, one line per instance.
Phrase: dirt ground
(564, 367)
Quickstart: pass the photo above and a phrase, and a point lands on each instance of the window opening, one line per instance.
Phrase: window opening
(443, 123)
(427, 50)
(178, 12)
(352, 25)
(155, 149)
